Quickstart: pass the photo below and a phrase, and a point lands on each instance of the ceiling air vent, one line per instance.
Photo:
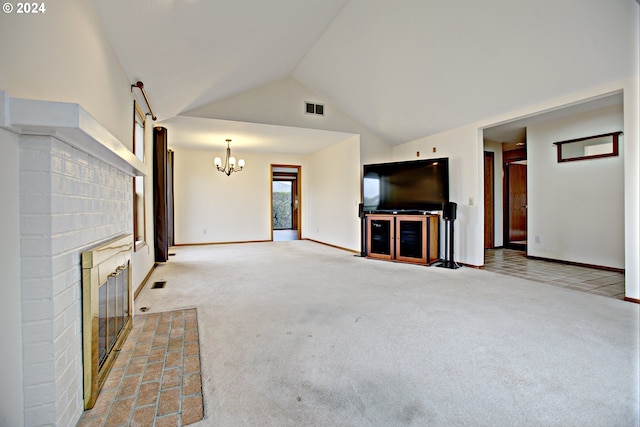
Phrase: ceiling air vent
(314, 108)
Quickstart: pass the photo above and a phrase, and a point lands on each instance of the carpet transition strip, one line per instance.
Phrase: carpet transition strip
(155, 381)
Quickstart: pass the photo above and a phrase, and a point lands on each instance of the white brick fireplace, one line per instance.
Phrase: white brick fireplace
(75, 191)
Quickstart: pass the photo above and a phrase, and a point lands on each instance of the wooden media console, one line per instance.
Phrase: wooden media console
(403, 237)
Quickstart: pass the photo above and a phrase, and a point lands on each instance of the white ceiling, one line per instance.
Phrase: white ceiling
(199, 133)
(404, 69)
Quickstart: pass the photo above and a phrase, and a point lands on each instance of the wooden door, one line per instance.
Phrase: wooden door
(489, 200)
(517, 197)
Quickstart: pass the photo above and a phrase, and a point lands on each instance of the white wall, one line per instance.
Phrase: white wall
(282, 103)
(496, 149)
(211, 207)
(333, 195)
(11, 397)
(465, 172)
(64, 55)
(632, 187)
(576, 209)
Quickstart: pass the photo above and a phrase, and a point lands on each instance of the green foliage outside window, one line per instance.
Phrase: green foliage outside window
(282, 210)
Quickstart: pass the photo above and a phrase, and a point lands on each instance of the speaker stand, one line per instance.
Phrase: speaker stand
(363, 237)
(448, 261)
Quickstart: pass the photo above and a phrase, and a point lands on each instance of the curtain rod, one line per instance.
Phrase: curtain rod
(140, 86)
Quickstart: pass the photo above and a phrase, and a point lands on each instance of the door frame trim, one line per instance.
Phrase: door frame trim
(490, 154)
(298, 191)
(508, 157)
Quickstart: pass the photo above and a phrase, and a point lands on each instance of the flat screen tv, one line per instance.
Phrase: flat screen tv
(421, 185)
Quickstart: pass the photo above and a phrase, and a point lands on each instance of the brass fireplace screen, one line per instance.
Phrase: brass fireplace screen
(106, 310)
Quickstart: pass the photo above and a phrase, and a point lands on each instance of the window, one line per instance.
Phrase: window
(139, 223)
(282, 205)
(605, 145)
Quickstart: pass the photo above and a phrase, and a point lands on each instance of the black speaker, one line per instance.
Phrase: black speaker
(449, 211)
(363, 230)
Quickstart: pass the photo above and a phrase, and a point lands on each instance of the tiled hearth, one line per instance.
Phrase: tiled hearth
(155, 380)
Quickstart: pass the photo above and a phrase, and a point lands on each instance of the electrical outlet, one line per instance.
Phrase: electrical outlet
(538, 240)
(204, 231)
(417, 154)
(434, 149)
(471, 201)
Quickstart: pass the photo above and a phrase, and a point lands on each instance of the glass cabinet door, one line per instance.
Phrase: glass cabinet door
(411, 241)
(381, 235)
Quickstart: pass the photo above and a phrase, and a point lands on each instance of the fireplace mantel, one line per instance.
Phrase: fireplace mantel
(70, 123)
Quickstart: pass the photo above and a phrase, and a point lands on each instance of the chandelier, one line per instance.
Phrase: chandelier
(229, 162)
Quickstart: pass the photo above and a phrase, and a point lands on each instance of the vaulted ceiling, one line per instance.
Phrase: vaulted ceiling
(403, 69)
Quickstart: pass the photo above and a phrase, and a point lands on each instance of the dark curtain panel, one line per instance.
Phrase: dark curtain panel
(170, 225)
(160, 205)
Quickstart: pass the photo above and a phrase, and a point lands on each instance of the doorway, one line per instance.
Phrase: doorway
(515, 199)
(285, 202)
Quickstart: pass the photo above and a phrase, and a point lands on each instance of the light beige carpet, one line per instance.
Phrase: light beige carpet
(297, 333)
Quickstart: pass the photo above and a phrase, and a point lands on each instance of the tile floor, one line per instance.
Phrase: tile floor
(155, 381)
(284, 235)
(585, 279)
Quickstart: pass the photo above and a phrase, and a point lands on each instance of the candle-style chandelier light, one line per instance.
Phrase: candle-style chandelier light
(230, 165)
